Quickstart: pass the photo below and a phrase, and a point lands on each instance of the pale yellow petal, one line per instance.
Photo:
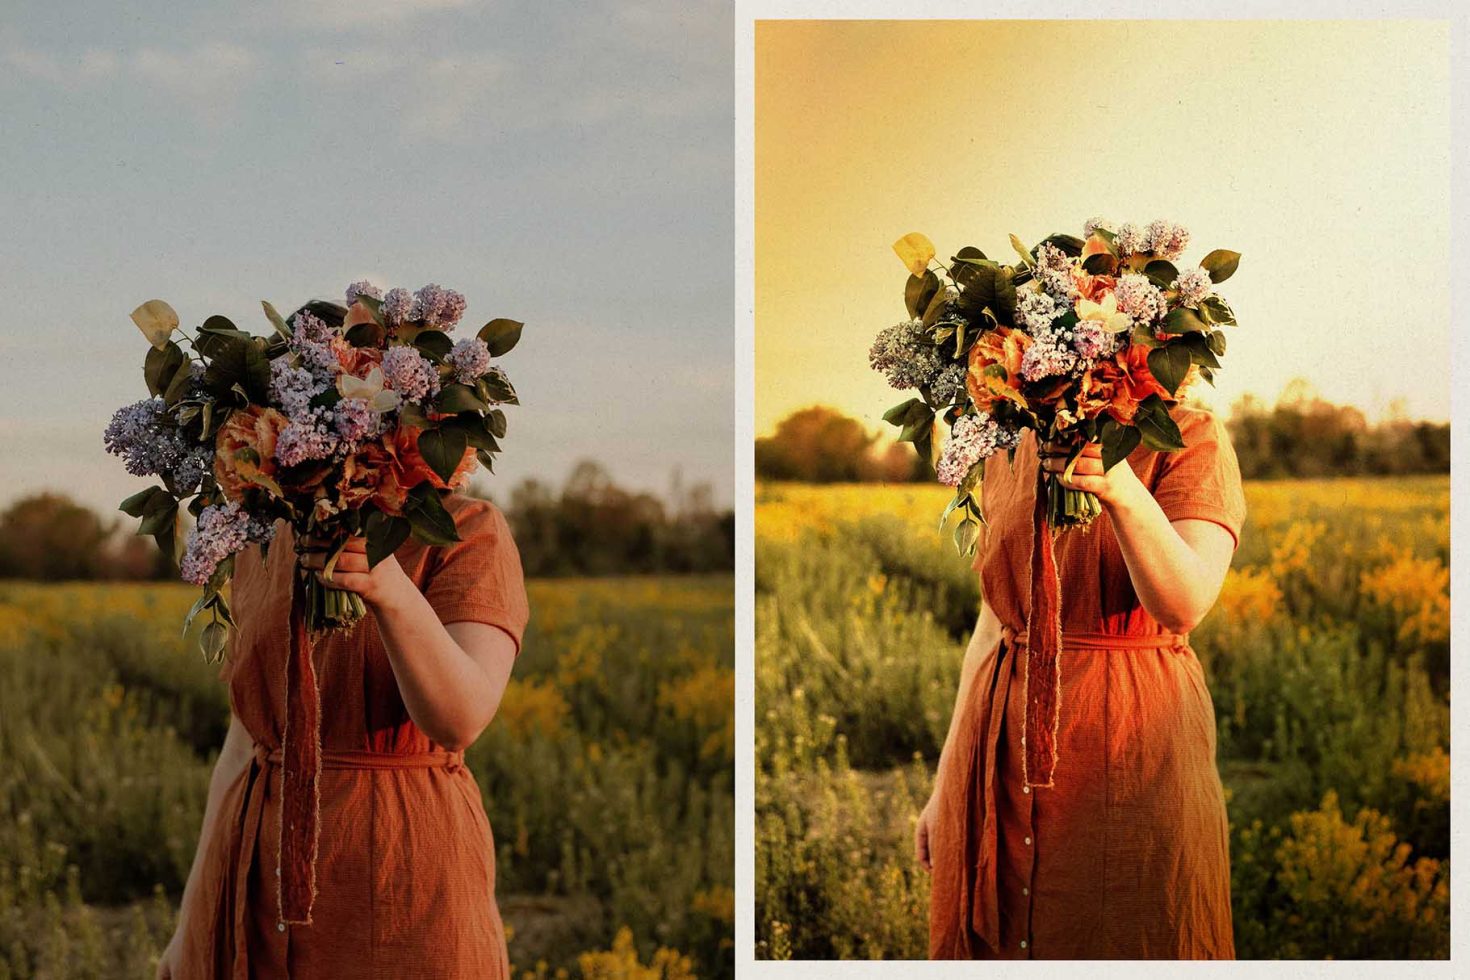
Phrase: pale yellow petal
(915, 251)
(157, 320)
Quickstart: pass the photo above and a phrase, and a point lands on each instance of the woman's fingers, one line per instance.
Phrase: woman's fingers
(921, 842)
(347, 561)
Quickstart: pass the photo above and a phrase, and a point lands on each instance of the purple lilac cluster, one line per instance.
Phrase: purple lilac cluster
(435, 306)
(362, 288)
(410, 374)
(294, 388)
(1093, 343)
(355, 421)
(1140, 298)
(1095, 224)
(949, 385)
(906, 355)
(222, 530)
(151, 444)
(470, 359)
(317, 344)
(1054, 273)
(1166, 239)
(308, 436)
(971, 439)
(396, 306)
(1194, 286)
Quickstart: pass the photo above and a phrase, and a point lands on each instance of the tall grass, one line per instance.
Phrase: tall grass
(606, 775)
(1327, 658)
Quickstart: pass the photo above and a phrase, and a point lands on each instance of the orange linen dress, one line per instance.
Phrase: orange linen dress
(1126, 856)
(405, 867)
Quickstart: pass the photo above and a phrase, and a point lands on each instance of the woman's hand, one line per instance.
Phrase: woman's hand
(376, 585)
(1119, 485)
(921, 836)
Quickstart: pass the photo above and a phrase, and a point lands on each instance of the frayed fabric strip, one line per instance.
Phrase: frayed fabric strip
(1043, 680)
(301, 760)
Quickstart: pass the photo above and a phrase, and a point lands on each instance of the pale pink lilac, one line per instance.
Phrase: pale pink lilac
(409, 373)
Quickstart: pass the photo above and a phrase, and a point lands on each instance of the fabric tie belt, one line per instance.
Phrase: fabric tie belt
(262, 759)
(985, 899)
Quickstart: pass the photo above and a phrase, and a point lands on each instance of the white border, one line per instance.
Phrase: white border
(746, 13)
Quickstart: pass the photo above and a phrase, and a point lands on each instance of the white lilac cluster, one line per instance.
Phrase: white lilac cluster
(222, 530)
(1166, 239)
(1093, 343)
(151, 444)
(293, 388)
(1140, 298)
(409, 373)
(1130, 239)
(355, 421)
(949, 385)
(1194, 286)
(971, 439)
(1096, 224)
(1051, 351)
(1054, 273)
(906, 355)
(470, 359)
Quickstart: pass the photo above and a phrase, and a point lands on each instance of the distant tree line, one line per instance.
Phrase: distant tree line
(1300, 436)
(590, 526)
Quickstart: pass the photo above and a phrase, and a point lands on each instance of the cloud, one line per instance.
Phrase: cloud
(202, 75)
(382, 14)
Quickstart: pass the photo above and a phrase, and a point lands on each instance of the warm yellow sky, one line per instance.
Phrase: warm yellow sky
(1319, 150)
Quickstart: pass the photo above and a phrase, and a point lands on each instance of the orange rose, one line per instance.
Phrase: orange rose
(414, 470)
(244, 451)
(1093, 287)
(1004, 347)
(371, 475)
(358, 361)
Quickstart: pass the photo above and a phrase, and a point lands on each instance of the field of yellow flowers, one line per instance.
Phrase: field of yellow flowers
(606, 775)
(1328, 661)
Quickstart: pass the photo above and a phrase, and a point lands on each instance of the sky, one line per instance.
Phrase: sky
(564, 164)
(1318, 150)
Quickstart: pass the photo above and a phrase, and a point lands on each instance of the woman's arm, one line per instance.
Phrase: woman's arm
(451, 677)
(982, 642)
(1177, 567)
(234, 756)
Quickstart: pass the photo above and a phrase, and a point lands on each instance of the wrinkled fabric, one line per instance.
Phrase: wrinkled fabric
(1126, 855)
(405, 869)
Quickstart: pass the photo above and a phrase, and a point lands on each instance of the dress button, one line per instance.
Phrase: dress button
(1025, 789)
(280, 927)
(1028, 842)
(1025, 890)
(1023, 944)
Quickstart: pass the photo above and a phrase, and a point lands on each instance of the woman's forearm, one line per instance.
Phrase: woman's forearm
(234, 756)
(1175, 583)
(447, 693)
(982, 642)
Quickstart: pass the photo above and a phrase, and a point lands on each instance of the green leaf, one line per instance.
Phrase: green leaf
(1220, 264)
(373, 306)
(146, 501)
(1199, 349)
(496, 388)
(212, 641)
(1117, 442)
(435, 343)
(1217, 311)
(430, 522)
(384, 535)
(1162, 272)
(1156, 426)
(500, 335)
(495, 422)
(443, 449)
(1182, 320)
(159, 519)
(919, 291)
(366, 335)
(1071, 245)
(178, 385)
(1169, 364)
(486, 459)
(966, 536)
(160, 365)
(275, 318)
(1216, 340)
(412, 416)
(1022, 251)
(1100, 264)
(456, 398)
(898, 414)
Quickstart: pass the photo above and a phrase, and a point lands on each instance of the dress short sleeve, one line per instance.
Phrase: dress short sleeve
(1202, 480)
(479, 578)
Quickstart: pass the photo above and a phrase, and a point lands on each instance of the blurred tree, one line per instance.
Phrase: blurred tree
(50, 536)
(821, 445)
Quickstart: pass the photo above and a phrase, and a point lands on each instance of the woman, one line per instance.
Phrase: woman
(1126, 855)
(405, 870)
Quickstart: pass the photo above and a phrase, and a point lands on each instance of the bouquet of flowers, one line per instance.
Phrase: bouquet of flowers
(1082, 340)
(348, 420)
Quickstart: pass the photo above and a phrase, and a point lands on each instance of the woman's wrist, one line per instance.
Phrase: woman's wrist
(393, 592)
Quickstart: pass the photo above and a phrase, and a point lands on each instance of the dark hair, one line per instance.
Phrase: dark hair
(332, 314)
